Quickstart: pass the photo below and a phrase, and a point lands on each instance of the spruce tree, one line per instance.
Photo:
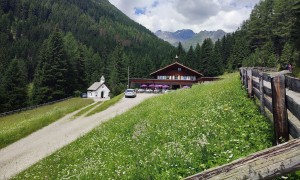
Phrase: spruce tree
(72, 57)
(51, 81)
(295, 33)
(40, 92)
(3, 96)
(147, 66)
(217, 59)
(191, 58)
(181, 53)
(268, 55)
(197, 56)
(287, 56)
(206, 56)
(56, 70)
(81, 74)
(118, 70)
(283, 21)
(15, 85)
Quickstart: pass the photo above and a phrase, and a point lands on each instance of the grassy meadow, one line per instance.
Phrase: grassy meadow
(166, 137)
(17, 126)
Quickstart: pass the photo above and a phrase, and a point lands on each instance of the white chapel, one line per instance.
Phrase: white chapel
(98, 90)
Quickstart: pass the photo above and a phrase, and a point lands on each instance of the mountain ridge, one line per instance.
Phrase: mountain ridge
(188, 37)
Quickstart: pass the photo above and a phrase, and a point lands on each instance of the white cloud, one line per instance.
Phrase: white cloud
(172, 15)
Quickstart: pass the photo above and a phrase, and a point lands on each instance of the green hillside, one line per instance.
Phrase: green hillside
(167, 137)
(98, 39)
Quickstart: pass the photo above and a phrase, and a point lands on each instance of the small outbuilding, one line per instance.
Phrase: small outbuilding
(98, 90)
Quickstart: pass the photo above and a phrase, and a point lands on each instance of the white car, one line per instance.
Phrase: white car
(130, 93)
(141, 90)
(149, 91)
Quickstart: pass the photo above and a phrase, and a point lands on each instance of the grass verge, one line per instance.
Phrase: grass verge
(167, 137)
(106, 104)
(83, 111)
(17, 126)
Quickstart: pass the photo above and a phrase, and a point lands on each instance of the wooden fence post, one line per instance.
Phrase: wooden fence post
(279, 109)
(246, 79)
(261, 96)
(242, 76)
(250, 83)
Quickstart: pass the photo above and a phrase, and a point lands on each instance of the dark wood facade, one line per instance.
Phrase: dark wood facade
(174, 75)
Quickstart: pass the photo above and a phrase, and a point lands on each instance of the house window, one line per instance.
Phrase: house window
(161, 77)
(179, 69)
(184, 77)
(176, 77)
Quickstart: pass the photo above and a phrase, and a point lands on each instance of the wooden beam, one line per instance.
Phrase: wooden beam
(293, 104)
(280, 118)
(255, 72)
(294, 128)
(261, 97)
(268, 105)
(292, 83)
(255, 84)
(266, 77)
(266, 164)
(256, 93)
(267, 91)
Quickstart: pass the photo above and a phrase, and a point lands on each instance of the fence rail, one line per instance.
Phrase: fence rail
(279, 96)
(31, 107)
(266, 164)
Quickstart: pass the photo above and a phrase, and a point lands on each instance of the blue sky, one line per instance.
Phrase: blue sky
(172, 15)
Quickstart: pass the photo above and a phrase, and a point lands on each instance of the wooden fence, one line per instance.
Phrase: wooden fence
(31, 107)
(279, 96)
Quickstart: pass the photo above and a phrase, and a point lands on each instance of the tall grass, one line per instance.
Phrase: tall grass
(17, 126)
(167, 137)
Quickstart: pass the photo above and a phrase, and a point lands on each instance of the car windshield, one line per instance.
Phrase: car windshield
(129, 90)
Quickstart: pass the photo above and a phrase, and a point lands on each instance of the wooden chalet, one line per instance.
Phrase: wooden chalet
(175, 76)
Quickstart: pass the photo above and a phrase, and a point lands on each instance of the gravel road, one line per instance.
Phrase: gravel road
(29, 150)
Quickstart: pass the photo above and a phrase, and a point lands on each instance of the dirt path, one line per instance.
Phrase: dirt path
(29, 150)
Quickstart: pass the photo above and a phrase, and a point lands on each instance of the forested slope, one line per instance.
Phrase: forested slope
(97, 39)
(268, 38)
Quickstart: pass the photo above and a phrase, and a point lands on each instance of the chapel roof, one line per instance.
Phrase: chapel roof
(95, 86)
